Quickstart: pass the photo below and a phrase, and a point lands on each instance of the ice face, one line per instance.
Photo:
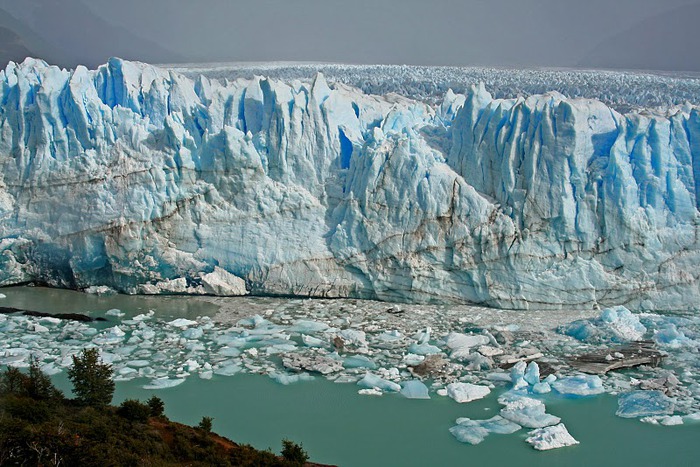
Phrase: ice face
(339, 193)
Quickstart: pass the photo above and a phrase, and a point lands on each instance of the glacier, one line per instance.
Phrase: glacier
(145, 180)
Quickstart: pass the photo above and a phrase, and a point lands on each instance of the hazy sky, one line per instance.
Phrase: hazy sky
(653, 34)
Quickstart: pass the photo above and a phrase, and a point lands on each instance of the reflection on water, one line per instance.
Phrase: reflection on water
(69, 301)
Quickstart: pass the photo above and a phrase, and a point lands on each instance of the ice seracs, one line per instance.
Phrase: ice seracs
(316, 188)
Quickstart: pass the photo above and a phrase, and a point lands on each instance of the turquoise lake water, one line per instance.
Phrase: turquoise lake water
(338, 426)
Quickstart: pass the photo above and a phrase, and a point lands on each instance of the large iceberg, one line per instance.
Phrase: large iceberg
(145, 180)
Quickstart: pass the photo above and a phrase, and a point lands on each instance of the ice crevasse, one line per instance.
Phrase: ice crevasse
(145, 181)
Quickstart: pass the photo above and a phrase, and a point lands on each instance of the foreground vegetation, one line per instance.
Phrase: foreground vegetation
(40, 426)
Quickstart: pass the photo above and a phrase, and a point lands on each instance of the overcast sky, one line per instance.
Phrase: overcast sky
(651, 34)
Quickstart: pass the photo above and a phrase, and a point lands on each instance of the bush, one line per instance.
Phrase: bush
(205, 424)
(134, 411)
(92, 380)
(294, 453)
(156, 405)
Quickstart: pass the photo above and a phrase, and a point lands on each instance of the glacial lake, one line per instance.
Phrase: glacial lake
(338, 426)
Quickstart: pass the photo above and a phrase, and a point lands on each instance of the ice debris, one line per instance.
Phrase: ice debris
(616, 324)
(551, 437)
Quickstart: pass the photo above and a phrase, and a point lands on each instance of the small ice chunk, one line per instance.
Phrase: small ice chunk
(475, 431)
(2, 295)
(287, 379)
(672, 420)
(181, 323)
(370, 392)
(467, 392)
(528, 412)
(307, 326)
(228, 369)
(311, 341)
(163, 383)
(582, 385)
(532, 373)
(551, 437)
(644, 404)
(499, 377)
(423, 349)
(354, 336)
(469, 433)
(414, 389)
(517, 375)
(114, 312)
(541, 388)
(193, 333)
(370, 381)
(359, 361)
(423, 336)
(456, 340)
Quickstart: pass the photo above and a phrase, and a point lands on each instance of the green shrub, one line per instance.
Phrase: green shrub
(205, 424)
(294, 453)
(134, 411)
(92, 380)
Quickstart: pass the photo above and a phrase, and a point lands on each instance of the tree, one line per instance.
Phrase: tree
(92, 380)
(13, 381)
(39, 385)
(205, 424)
(157, 406)
(294, 453)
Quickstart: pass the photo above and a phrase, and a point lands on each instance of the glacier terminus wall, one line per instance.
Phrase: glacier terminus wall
(144, 180)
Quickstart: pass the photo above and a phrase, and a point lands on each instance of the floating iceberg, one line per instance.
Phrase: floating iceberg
(529, 413)
(467, 392)
(581, 385)
(370, 381)
(414, 389)
(551, 437)
(644, 404)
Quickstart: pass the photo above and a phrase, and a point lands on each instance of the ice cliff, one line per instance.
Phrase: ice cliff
(144, 180)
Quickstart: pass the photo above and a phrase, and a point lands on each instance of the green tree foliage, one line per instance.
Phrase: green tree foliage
(157, 406)
(39, 385)
(92, 380)
(294, 453)
(205, 424)
(134, 411)
(13, 381)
